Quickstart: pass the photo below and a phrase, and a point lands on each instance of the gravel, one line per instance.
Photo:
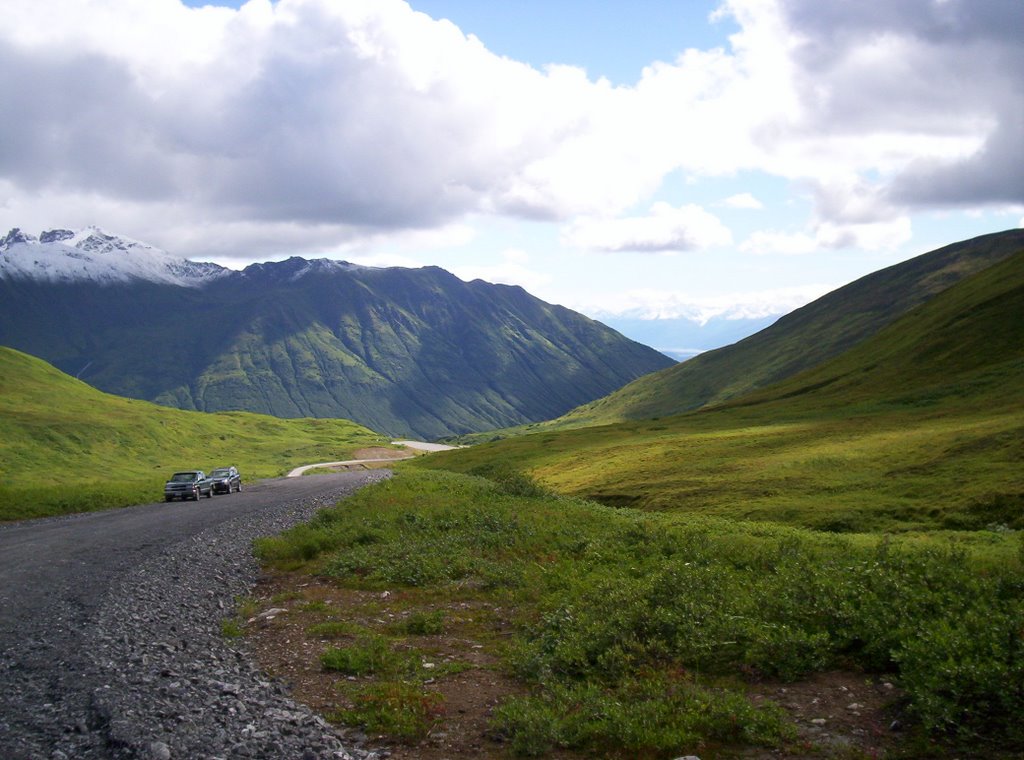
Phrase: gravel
(163, 681)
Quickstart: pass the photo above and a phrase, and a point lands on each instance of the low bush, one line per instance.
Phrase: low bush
(393, 708)
(642, 716)
(370, 654)
(423, 623)
(611, 603)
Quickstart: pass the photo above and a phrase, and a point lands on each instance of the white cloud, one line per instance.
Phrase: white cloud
(871, 236)
(314, 122)
(743, 200)
(664, 229)
(655, 304)
(765, 242)
(512, 269)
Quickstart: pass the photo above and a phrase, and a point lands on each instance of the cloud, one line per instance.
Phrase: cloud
(743, 200)
(869, 236)
(654, 303)
(664, 229)
(512, 269)
(319, 123)
(947, 75)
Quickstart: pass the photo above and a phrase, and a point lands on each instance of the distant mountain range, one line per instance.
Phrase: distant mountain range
(802, 339)
(403, 351)
(683, 338)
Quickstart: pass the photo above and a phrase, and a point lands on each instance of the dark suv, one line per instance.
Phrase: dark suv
(226, 480)
(190, 484)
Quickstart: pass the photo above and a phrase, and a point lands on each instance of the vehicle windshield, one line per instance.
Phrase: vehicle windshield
(183, 477)
(220, 473)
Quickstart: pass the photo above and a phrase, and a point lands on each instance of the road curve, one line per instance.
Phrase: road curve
(419, 445)
(57, 580)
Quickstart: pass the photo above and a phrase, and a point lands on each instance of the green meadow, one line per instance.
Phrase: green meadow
(66, 447)
(642, 634)
(864, 516)
(920, 427)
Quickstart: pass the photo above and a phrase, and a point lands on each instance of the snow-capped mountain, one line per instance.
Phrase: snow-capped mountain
(92, 255)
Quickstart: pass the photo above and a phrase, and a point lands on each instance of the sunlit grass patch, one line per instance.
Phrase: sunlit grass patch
(95, 451)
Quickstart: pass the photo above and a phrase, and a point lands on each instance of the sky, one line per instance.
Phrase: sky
(650, 159)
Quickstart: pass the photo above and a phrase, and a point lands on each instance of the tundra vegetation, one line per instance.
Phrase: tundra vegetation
(866, 516)
(66, 447)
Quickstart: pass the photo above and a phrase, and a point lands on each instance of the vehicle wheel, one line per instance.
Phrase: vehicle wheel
(209, 494)
(168, 498)
(239, 488)
(195, 495)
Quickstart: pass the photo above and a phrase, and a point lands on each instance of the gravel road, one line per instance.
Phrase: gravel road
(110, 632)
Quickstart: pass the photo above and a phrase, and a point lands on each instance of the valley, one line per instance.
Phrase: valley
(648, 583)
(608, 381)
(405, 352)
(651, 574)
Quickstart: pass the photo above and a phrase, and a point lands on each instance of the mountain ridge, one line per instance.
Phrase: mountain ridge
(404, 351)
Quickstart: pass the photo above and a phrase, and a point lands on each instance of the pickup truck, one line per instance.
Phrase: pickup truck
(189, 484)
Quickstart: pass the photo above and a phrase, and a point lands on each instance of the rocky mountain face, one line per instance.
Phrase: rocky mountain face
(403, 351)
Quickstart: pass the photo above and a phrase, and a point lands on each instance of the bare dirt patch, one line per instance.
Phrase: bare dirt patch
(469, 678)
(838, 715)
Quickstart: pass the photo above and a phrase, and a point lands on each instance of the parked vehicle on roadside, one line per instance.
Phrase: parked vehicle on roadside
(188, 484)
(226, 480)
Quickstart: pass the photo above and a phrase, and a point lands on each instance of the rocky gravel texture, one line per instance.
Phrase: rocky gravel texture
(160, 678)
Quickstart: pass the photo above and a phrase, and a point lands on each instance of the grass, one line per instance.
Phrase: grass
(66, 447)
(919, 428)
(636, 632)
(397, 709)
(849, 469)
(370, 655)
(654, 715)
(394, 702)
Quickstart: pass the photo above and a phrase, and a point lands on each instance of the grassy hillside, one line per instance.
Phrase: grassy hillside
(674, 615)
(803, 339)
(66, 447)
(918, 427)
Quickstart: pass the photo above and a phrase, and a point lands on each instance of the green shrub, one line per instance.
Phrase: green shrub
(395, 709)
(369, 655)
(642, 716)
(601, 595)
(423, 623)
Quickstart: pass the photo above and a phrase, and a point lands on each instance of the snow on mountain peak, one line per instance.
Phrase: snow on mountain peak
(97, 256)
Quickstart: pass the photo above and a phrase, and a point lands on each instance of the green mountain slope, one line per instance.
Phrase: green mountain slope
(64, 446)
(800, 340)
(918, 427)
(966, 344)
(406, 352)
